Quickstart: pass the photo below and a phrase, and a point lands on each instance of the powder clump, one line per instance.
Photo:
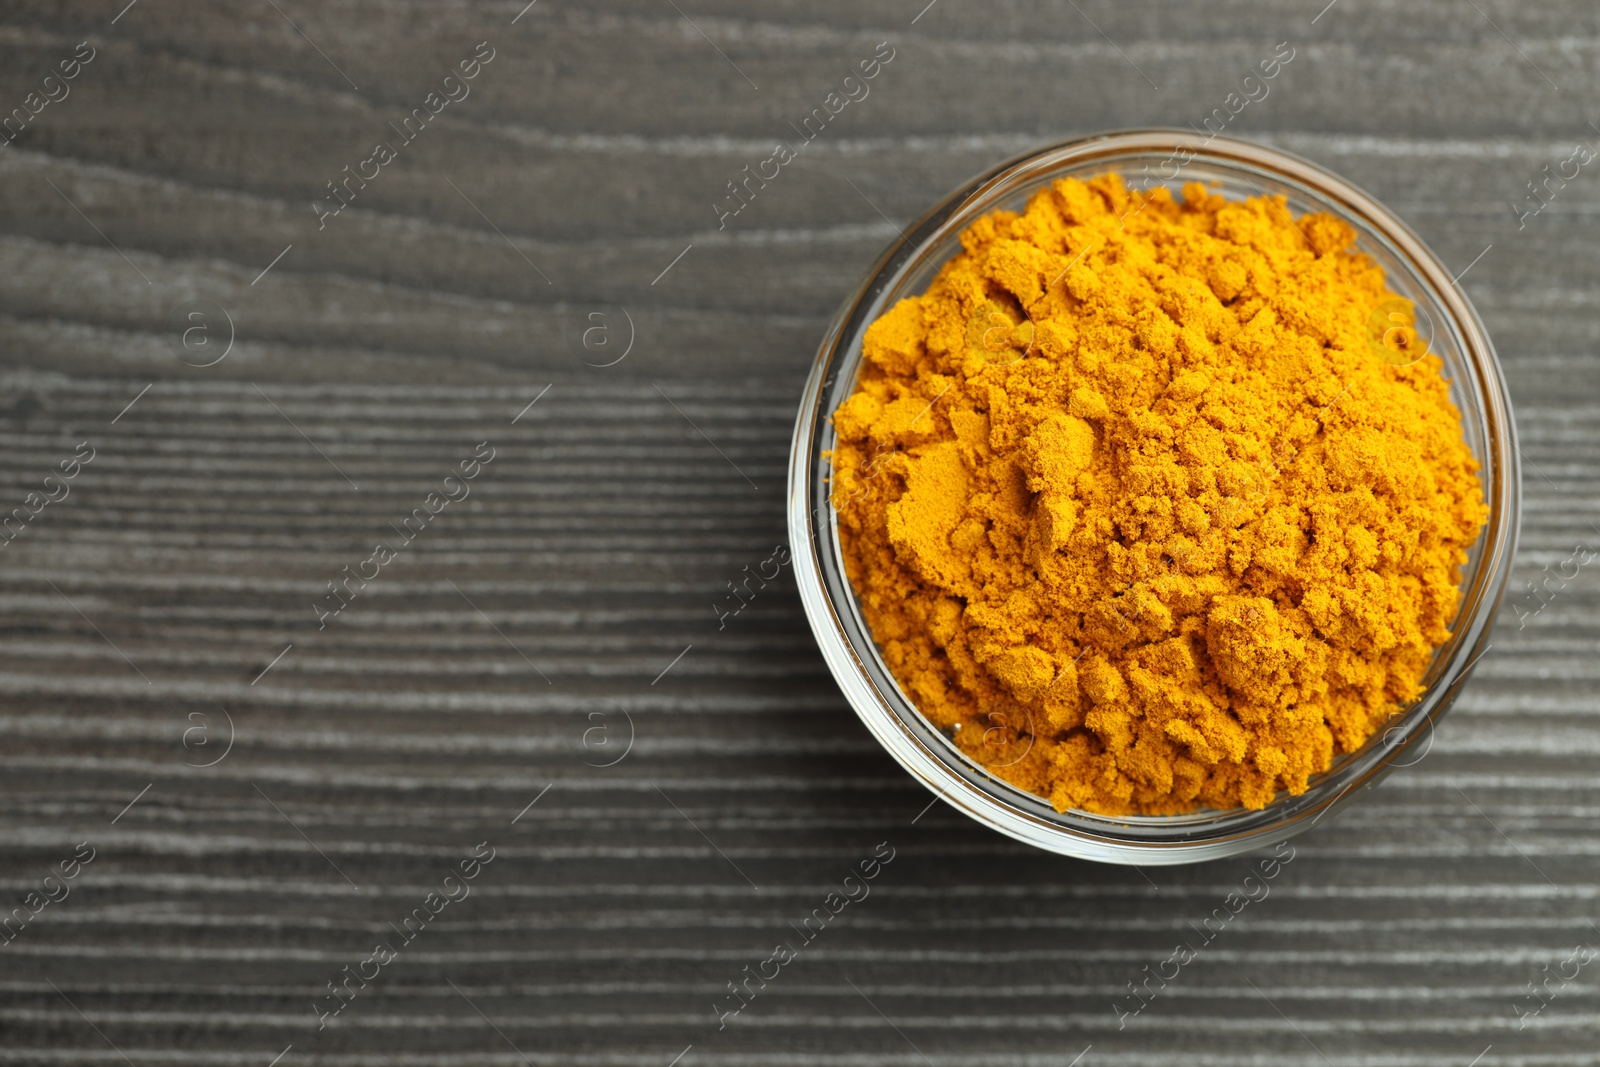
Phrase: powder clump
(1134, 510)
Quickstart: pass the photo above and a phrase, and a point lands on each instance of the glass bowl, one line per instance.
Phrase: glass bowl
(1147, 158)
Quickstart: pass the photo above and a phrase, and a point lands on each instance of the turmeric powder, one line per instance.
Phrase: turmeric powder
(1136, 515)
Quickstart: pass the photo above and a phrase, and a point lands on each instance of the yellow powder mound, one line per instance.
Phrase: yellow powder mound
(1135, 510)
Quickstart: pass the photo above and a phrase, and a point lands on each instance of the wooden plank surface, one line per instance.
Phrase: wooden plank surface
(514, 646)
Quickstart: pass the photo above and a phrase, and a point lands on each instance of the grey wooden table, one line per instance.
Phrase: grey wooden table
(239, 748)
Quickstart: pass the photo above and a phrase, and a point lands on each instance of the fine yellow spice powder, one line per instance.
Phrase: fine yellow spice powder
(1135, 511)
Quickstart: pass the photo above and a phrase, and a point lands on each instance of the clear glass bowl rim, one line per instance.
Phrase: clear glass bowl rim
(853, 659)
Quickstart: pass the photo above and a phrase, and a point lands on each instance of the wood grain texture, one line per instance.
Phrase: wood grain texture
(513, 641)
